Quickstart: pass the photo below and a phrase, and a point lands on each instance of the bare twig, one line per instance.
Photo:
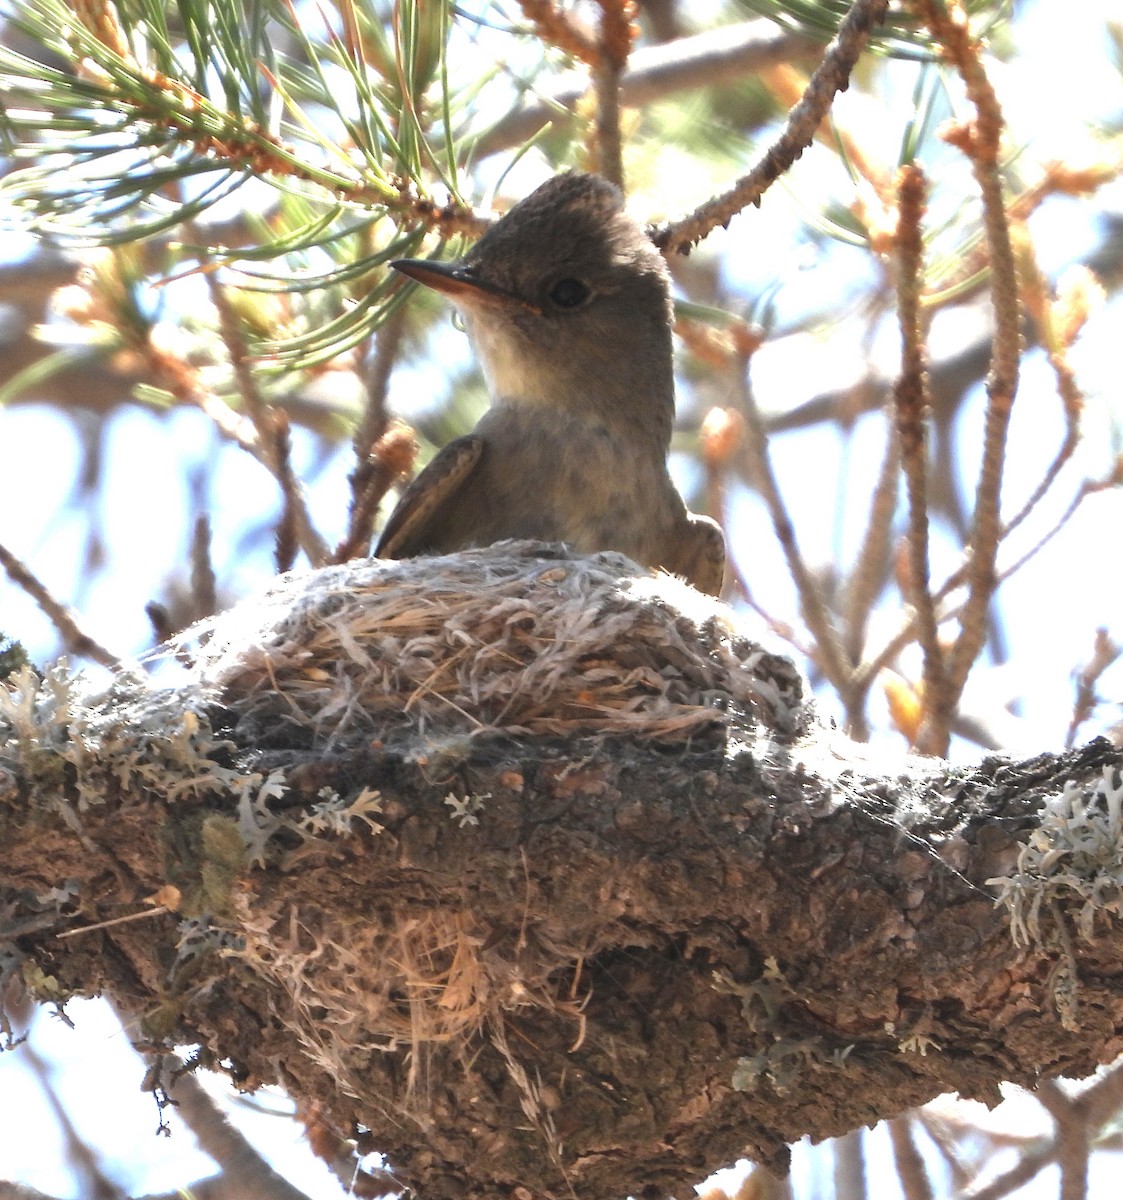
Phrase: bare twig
(294, 515)
(391, 457)
(721, 434)
(831, 77)
(614, 43)
(911, 401)
(944, 1138)
(272, 426)
(1030, 1165)
(828, 650)
(1104, 653)
(204, 598)
(163, 627)
(376, 383)
(558, 27)
(980, 141)
(873, 556)
(1070, 1140)
(158, 911)
(850, 1182)
(911, 1174)
(61, 617)
(908, 630)
(244, 1171)
(1057, 325)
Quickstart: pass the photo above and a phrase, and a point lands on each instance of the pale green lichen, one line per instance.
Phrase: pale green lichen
(784, 1062)
(466, 811)
(333, 814)
(761, 998)
(130, 737)
(1073, 858)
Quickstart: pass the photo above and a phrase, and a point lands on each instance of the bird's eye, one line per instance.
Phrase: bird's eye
(569, 293)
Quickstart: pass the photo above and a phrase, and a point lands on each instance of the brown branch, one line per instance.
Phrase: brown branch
(61, 617)
(828, 652)
(831, 77)
(981, 143)
(873, 557)
(751, 882)
(614, 42)
(724, 55)
(204, 590)
(912, 409)
(559, 28)
(1104, 653)
(391, 458)
(911, 1174)
(1070, 1140)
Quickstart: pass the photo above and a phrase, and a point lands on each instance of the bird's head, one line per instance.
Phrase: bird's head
(566, 301)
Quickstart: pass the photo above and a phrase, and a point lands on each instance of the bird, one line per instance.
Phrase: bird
(567, 305)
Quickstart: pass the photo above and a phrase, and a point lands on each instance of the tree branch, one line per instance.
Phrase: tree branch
(536, 870)
(703, 60)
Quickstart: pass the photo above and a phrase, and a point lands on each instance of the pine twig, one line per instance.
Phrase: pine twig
(980, 141)
(74, 638)
(558, 28)
(831, 77)
(614, 43)
(910, 398)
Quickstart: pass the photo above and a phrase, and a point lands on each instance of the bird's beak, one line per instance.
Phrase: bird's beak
(458, 283)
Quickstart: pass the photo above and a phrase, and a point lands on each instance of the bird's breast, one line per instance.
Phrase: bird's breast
(560, 476)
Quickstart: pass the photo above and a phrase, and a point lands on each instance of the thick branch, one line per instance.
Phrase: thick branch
(585, 965)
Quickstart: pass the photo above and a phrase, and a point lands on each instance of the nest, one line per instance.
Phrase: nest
(517, 640)
(522, 639)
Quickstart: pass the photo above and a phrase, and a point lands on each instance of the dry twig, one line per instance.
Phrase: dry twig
(614, 43)
(828, 650)
(75, 640)
(1104, 653)
(911, 402)
(831, 77)
(911, 1174)
(980, 141)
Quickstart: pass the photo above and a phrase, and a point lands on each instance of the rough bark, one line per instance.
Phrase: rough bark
(646, 957)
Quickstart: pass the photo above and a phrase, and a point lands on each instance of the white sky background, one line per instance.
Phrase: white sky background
(1060, 81)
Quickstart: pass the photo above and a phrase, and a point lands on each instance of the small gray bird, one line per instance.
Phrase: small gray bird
(567, 305)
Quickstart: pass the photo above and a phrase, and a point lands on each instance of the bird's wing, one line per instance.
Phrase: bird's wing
(407, 530)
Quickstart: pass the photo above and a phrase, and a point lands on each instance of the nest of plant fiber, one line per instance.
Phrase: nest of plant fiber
(523, 639)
